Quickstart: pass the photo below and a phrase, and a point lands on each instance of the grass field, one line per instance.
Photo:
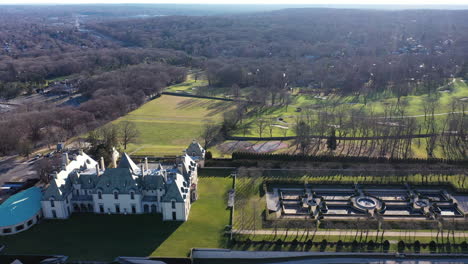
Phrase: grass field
(169, 123)
(93, 237)
(207, 220)
(104, 237)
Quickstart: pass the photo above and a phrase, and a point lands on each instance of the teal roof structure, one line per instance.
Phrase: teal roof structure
(20, 207)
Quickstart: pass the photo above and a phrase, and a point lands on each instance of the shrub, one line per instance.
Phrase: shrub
(279, 242)
(386, 245)
(417, 246)
(433, 246)
(401, 246)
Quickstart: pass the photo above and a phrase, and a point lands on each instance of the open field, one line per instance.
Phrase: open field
(104, 237)
(169, 123)
(454, 91)
(189, 86)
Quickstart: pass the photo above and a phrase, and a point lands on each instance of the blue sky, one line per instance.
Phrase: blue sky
(364, 2)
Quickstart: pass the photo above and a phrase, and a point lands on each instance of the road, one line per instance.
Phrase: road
(12, 170)
(344, 232)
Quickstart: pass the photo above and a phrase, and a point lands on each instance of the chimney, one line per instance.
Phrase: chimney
(103, 167)
(114, 158)
(80, 152)
(142, 170)
(146, 163)
(65, 160)
(97, 170)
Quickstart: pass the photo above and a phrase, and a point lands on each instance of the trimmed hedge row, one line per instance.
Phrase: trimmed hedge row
(327, 158)
(355, 246)
(198, 96)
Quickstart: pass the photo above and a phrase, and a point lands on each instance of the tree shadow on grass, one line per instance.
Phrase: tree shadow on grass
(93, 237)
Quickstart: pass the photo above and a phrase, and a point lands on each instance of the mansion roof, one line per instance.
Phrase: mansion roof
(125, 178)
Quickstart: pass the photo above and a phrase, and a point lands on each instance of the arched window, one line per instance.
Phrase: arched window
(132, 195)
(99, 194)
(116, 195)
(52, 202)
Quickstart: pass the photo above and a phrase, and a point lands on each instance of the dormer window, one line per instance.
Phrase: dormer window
(116, 195)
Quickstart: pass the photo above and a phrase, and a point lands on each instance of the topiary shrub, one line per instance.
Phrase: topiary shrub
(417, 246)
(370, 246)
(386, 245)
(279, 242)
(464, 246)
(433, 246)
(401, 246)
(323, 245)
(339, 245)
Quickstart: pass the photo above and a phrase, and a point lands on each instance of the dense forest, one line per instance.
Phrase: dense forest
(118, 59)
(348, 50)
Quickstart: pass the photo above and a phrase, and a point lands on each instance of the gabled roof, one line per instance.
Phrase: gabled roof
(127, 162)
(121, 179)
(153, 181)
(195, 148)
(188, 166)
(175, 189)
(52, 191)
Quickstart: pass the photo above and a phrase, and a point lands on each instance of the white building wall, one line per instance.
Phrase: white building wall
(60, 208)
(124, 201)
(180, 209)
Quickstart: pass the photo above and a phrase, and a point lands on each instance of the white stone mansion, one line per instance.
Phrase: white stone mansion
(85, 185)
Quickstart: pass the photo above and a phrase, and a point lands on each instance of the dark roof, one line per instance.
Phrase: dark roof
(120, 179)
(127, 162)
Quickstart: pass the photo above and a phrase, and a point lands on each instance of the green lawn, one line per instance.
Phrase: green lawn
(93, 237)
(169, 123)
(104, 237)
(207, 220)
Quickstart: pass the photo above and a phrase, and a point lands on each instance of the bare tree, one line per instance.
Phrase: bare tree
(210, 134)
(261, 125)
(128, 133)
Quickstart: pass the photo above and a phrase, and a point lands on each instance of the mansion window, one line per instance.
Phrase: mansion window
(173, 204)
(132, 195)
(116, 195)
(99, 194)
(52, 203)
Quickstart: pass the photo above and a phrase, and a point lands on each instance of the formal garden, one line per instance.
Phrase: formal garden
(397, 221)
